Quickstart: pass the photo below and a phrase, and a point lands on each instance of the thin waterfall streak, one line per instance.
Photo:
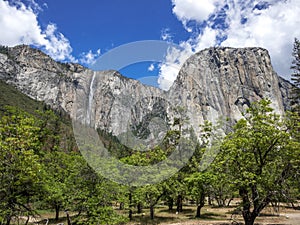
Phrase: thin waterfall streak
(90, 102)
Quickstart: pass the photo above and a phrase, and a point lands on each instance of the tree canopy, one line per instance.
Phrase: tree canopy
(261, 158)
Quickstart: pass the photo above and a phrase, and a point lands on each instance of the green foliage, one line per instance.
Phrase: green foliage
(139, 158)
(10, 96)
(39, 167)
(101, 215)
(199, 186)
(149, 194)
(21, 173)
(250, 151)
(60, 170)
(95, 200)
(4, 50)
(259, 157)
(113, 145)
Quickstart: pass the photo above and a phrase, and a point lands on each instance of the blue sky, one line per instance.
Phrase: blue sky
(81, 31)
(105, 24)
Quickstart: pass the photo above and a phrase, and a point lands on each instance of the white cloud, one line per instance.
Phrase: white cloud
(273, 28)
(176, 57)
(151, 68)
(269, 24)
(57, 45)
(208, 39)
(89, 58)
(165, 35)
(173, 62)
(197, 10)
(35, 6)
(19, 25)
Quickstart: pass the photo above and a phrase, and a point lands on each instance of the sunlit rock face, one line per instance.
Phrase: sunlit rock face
(220, 83)
(214, 84)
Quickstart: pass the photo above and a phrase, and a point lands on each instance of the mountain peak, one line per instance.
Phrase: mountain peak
(214, 83)
(223, 81)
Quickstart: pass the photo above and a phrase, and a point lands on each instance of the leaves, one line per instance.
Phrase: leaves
(20, 169)
(36, 170)
(259, 160)
(257, 156)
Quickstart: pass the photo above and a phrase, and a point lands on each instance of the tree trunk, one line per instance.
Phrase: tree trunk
(170, 203)
(130, 206)
(200, 204)
(28, 217)
(130, 214)
(68, 218)
(179, 203)
(293, 206)
(121, 207)
(152, 212)
(8, 219)
(209, 200)
(249, 217)
(223, 202)
(139, 208)
(199, 207)
(228, 204)
(249, 220)
(57, 208)
(198, 214)
(219, 202)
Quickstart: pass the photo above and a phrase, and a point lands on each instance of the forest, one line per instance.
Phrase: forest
(42, 170)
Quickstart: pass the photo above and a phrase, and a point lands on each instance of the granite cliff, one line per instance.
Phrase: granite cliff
(214, 83)
(222, 82)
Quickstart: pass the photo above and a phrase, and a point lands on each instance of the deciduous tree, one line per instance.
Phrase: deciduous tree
(21, 173)
(259, 157)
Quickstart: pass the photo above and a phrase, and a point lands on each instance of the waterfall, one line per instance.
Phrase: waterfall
(90, 101)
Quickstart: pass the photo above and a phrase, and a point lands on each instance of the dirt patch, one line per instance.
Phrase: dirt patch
(283, 219)
(269, 216)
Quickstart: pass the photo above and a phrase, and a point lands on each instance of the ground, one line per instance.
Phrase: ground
(282, 215)
(219, 216)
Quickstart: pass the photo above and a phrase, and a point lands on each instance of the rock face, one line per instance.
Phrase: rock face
(214, 83)
(109, 98)
(222, 82)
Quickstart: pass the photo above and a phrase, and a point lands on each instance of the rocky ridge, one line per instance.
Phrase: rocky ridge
(214, 83)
